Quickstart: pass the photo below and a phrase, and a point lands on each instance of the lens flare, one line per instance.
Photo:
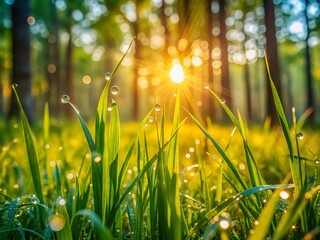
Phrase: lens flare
(176, 73)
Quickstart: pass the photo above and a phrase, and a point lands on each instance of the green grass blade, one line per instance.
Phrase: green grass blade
(102, 232)
(110, 163)
(46, 123)
(233, 170)
(230, 201)
(171, 178)
(255, 175)
(95, 165)
(130, 151)
(65, 233)
(293, 214)
(265, 218)
(286, 131)
(30, 143)
(143, 171)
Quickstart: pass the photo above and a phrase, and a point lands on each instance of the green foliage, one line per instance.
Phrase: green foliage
(140, 185)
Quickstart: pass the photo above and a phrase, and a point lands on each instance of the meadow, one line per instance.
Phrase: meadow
(160, 178)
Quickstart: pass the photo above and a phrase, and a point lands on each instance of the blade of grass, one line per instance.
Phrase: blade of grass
(171, 178)
(265, 218)
(145, 168)
(293, 213)
(230, 201)
(30, 143)
(102, 232)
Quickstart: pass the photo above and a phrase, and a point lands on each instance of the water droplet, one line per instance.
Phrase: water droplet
(34, 199)
(56, 222)
(61, 201)
(299, 136)
(108, 76)
(109, 108)
(203, 210)
(284, 195)
(224, 224)
(65, 99)
(316, 160)
(97, 159)
(15, 85)
(115, 90)
(222, 101)
(157, 107)
(206, 86)
(150, 119)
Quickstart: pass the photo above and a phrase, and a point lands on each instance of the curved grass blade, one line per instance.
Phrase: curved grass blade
(254, 172)
(96, 165)
(230, 201)
(31, 150)
(293, 213)
(233, 170)
(102, 232)
(265, 218)
(145, 168)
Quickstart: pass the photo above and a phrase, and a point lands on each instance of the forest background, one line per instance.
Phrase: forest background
(55, 47)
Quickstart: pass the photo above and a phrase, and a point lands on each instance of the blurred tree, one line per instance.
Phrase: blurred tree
(209, 109)
(3, 55)
(310, 91)
(137, 59)
(53, 58)
(68, 77)
(225, 80)
(164, 22)
(272, 58)
(21, 58)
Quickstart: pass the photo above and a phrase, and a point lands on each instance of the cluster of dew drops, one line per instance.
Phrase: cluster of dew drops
(114, 89)
(300, 137)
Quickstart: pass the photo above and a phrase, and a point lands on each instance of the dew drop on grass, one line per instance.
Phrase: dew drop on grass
(56, 222)
(34, 199)
(109, 108)
(206, 86)
(223, 101)
(15, 85)
(65, 99)
(97, 159)
(150, 119)
(115, 90)
(224, 224)
(61, 201)
(316, 160)
(284, 195)
(108, 76)
(299, 136)
(157, 107)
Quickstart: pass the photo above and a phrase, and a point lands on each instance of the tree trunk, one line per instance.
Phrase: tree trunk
(21, 62)
(207, 100)
(225, 80)
(310, 93)
(1, 89)
(137, 59)
(53, 64)
(68, 87)
(272, 58)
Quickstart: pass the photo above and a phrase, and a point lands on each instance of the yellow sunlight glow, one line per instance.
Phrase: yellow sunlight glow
(176, 73)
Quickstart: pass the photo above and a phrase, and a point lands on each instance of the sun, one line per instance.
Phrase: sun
(176, 73)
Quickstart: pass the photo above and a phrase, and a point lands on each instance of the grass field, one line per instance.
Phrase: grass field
(158, 179)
